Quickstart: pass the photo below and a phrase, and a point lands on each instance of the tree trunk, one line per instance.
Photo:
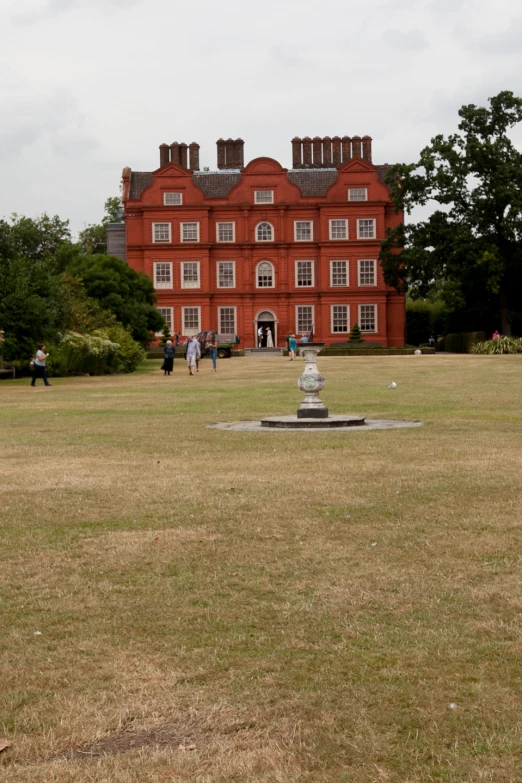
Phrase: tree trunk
(505, 315)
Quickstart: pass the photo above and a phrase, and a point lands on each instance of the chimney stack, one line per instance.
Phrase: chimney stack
(174, 153)
(367, 148)
(183, 154)
(356, 147)
(316, 147)
(164, 155)
(336, 150)
(296, 152)
(346, 147)
(240, 153)
(307, 152)
(327, 152)
(194, 156)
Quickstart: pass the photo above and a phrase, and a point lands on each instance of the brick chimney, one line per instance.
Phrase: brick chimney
(367, 148)
(174, 152)
(356, 147)
(240, 154)
(307, 151)
(346, 148)
(336, 151)
(221, 153)
(183, 155)
(296, 152)
(194, 156)
(327, 151)
(318, 153)
(164, 155)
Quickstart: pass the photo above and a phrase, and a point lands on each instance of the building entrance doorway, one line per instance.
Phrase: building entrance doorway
(266, 323)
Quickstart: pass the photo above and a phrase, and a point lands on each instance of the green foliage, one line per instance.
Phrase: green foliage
(127, 294)
(108, 350)
(461, 342)
(355, 334)
(472, 243)
(93, 239)
(166, 334)
(498, 345)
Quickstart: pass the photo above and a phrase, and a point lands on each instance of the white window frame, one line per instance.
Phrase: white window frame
(198, 268)
(296, 229)
(298, 325)
(162, 311)
(258, 200)
(375, 312)
(233, 274)
(344, 331)
(162, 285)
(360, 262)
(226, 223)
(373, 220)
(296, 267)
(191, 330)
(347, 268)
(257, 274)
(182, 228)
(161, 241)
(264, 223)
(227, 331)
(330, 232)
(357, 190)
(174, 203)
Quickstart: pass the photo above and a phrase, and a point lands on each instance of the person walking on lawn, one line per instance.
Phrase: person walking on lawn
(168, 358)
(39, 367)
(192, 354)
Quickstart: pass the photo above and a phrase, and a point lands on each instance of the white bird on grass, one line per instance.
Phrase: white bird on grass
(392, 385)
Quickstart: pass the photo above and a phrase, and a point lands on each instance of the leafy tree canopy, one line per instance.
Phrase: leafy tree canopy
(127, 294)
(471, 244)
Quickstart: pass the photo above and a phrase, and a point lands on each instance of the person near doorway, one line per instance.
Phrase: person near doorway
(39, 366)
(192, 353)
(260, 337)
(292, 345)
(269, 338)
(177, 338)
(168, 358)
(212, 349)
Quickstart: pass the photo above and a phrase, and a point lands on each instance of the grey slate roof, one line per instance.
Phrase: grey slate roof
(139, 181)
(218, 184)
(312, 182)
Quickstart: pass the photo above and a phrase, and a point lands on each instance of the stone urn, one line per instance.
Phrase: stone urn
(311, 382)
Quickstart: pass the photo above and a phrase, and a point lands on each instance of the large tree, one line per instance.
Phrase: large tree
(93, 239)
(129, 295)
(472, 243)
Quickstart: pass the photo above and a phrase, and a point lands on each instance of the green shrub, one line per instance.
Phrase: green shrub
(418, 326)
(355, 334)
(129, 354)
(498, 345)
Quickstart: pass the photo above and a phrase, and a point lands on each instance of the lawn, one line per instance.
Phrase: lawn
(186, 604)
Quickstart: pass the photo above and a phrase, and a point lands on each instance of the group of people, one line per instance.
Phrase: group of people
(262, 332)
(192, 354)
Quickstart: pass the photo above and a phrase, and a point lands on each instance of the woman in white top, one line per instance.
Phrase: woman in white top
(269, 338)
(40, 370)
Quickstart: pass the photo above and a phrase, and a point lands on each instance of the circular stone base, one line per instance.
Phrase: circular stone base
(318, 426)
(293, 422)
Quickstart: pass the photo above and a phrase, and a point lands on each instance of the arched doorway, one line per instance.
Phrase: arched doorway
(264, 321)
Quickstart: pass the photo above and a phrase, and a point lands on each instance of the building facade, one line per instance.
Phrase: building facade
(245, 247)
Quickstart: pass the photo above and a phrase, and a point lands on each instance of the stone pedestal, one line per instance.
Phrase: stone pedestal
(311, 382)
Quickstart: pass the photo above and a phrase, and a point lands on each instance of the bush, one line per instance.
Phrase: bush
(462, 342)
(82, 354)
(498, 345)
(129, 353)
(418, 327)
(355, 334)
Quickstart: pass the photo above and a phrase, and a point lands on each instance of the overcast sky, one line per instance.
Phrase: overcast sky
(90, 86)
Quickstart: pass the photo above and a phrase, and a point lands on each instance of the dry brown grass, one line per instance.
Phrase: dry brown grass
(263, 607)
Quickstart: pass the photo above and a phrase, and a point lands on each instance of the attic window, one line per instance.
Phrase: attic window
(358, 194)
(264, 196)
(173, 199)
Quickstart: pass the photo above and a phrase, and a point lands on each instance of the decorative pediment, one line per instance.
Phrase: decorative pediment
(172, 170)
(264, 166)
(355, 166)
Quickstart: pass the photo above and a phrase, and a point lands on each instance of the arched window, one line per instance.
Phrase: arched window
(265, 275)
(264, 232)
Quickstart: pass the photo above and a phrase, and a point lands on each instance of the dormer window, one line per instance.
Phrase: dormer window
(264, 196)
(172, 199)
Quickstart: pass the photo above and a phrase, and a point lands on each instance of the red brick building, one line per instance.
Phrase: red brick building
(246, 246)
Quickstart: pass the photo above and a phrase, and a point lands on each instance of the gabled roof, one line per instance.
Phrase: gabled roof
(218, 184)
